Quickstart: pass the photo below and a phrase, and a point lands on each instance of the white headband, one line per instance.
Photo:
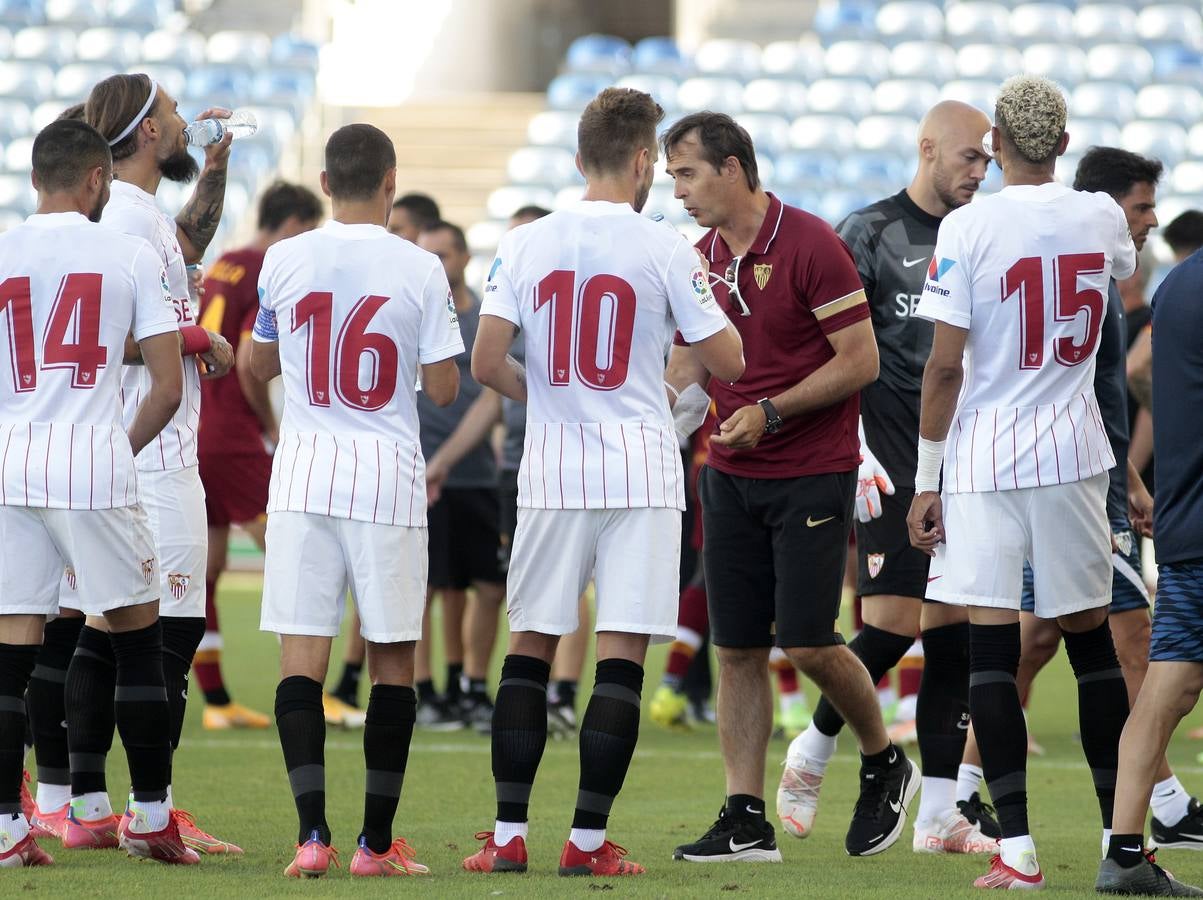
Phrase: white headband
(137, 120)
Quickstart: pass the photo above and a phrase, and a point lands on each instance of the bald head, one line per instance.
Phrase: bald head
(952, 161)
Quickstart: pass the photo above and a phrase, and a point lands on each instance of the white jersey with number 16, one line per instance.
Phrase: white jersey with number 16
(355, 310)
(1026, 271)
(599, 291)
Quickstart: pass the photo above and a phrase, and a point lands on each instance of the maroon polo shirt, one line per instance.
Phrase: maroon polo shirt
(800, 282)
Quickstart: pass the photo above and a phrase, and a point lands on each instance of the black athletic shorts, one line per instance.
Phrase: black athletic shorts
(886, 563)
(463, 538)
(774, 557)
(507, 515)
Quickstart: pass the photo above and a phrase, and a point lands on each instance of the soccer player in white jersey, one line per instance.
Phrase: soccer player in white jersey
(598, 291)
(1017, 289)
(144, 131)
(71, 293)
(348, 314)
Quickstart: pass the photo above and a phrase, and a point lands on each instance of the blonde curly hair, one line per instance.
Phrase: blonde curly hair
(1030, 110)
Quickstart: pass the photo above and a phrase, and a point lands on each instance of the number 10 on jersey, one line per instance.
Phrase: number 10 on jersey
(591, 329)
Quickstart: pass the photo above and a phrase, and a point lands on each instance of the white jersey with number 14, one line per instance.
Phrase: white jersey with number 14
(1026, 271)
(599, 291)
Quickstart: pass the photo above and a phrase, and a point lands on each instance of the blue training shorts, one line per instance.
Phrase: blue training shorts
(1178, 615)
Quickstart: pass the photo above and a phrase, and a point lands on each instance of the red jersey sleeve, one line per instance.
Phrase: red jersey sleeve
(830, 284)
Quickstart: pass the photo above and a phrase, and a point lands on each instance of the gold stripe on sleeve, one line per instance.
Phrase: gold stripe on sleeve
(839, 305)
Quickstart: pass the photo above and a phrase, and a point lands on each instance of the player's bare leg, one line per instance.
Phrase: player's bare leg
(745, 716)
(566, 671)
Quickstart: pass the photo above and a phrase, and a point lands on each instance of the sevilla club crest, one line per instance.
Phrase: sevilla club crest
(178, 584)
(875, 561)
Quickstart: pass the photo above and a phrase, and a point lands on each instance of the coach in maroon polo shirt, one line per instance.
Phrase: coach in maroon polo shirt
(777, 489)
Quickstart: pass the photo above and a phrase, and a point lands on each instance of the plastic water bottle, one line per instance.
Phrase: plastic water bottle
(203, 132)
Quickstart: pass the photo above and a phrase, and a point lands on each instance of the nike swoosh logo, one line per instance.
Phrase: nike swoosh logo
(1133, 849)
(908, 263)
(755, 812)
(963, 725)
(812, 523)
(735, 848)
(896, 806)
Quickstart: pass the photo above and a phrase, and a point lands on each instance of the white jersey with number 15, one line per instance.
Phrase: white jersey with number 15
(599, 291)
(355, 310)
(1026, 271)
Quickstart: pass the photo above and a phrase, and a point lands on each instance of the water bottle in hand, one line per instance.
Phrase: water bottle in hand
(203, 132)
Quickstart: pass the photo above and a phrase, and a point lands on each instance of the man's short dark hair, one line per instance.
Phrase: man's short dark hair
(421, 208)
(457, 234)
(530, 211)
(283, 200)
(1185, 234)
(357, 159)
(1114, 171)
(616, 125)
(65, 151)
(720, 138)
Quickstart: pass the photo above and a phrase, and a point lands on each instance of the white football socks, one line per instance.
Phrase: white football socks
(53, 797)
(812, 748)
(504, 832)
(588, 839)
(148, 816)
(90, 807)
(1013, 852)
(1170, 801)
(969, 781)
(938, 797)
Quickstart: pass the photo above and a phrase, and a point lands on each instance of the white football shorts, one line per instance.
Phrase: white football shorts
(106, 555)
(632, 555)
(312, 560)
(1062, 530)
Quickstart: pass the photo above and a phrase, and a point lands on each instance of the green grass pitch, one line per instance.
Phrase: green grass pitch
(235, 784)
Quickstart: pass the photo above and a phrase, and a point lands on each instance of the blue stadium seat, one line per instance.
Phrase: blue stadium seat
(1181, 103)
(19, 13)
(26, 79)
(1159, 138)
(1188, 178)
(16, 118)
(278, 123)
(18, 155)
(52, 45)
(981, 94)
(803, 60)
(218, 85)
(730, 58)
(283, 87)
(1104, 100)
(660, 55)
(977, 23)
(927, 60)
(1120, 62)
(1194, 145)
(550, 166)
(893, 135)
(864, 60)
(1084, 133)
(290, 50)
(1105, 23)
(1038, 23)
(185, 49)
(876, 173)
(770, 133)
(905, 97)
(834, 206)
(834, 134)
(847, 20)
(711, 92)
(45, 113)
(73, 82)
(118, 47)
(1177, 63)
(553, 128)
(599, 53)
(141, 15)
(1171, 24)
(1063, 63)
(663, 88)
(76, 13)
(776, 95)
(909, 20)
(839, 96)
(807, 168)
(172, 78)
(988, 62)
(250, 49)
(504, 200)
(574, 90)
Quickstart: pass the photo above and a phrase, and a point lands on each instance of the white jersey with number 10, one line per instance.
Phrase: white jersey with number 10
(1026, 271)
(356, 310)
(599, 291)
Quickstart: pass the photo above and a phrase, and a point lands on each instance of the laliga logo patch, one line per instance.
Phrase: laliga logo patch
(452, 316)
(178, 584)
(701, 286)
(939, 268)
(875, 561)
(166, 285)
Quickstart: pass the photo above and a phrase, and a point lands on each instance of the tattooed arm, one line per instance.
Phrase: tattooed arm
(198, 220)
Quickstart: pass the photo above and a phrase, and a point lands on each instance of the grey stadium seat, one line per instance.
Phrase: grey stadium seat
(927, 60)
(185, 49)
(724, 57)
(864, 60)
(822, 132)
(910, 20)
(905, 97)
(989, 62)
(1104, 100)
(119, 47)
(711, 92)
(776, 95)
(1120, 62)
(1179, 103)
(54, 46)
(1158, 138)
(1105, 23)
(794, 59)
(1037, 23)
(1063, 63)
(838, 96)
(977, 23)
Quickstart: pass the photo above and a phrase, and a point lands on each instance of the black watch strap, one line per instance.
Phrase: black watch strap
(772, 419)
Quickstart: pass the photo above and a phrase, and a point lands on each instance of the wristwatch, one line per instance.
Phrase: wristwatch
(772, 419)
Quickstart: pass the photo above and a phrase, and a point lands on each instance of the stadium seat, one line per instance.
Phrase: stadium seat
(807, 168)
(16, 117)
(550, 166)
(1105, 23)
(862, 60)
(283, 87)
(981, 94)
(834, 134)
(909, 20)
(1188, 178)
(905, 97)
(721, 57)
(75, 13)
(172, 78)
(839, 96)
(803, 60)
(1084, 133)
(10, 218)
(874, 172)
(834, 206)
(18, 155)
(769, 132)
(73, 82)
(662, 88)
(218, 85)
(847, 20)
(574, 90)
(1037, 23)
(118, 47)
(17, 193)
(887, 134)
(141, 15)
(775, 95)
(1120, 62)
(1158, 138)
(1179, 103)
(1063, 63)
(553, 128)
(52, 45)
(1194, 146)
(27, 79)
(660, 55)
(711, 92)
(1104, 100)
(930, 61)
(601, 53)
(290, 50)
(986, 61)
(184, 49)
(1171, 24)
(504, 200)
(249, 49)
(1177, 62)
(977, 23)
(20, 13)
